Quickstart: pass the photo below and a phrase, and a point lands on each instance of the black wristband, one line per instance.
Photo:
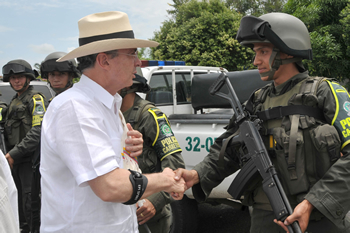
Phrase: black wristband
(139, 183)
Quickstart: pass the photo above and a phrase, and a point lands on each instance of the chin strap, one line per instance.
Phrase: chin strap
(125, 91)
(60, 90)
(23, 88)
(275, 62)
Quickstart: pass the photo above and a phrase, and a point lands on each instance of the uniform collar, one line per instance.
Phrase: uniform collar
(30, 88)
(289, 84)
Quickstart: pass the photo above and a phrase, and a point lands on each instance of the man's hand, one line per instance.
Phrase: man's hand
(178, 186)
(9, 160)
(301, 214)
(134, 142)
(145, 212)
(190, 176)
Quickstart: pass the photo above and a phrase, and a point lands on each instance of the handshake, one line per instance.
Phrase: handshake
(178, 181)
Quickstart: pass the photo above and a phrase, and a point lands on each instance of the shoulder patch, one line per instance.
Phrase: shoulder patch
(165, 142)
(341, 119)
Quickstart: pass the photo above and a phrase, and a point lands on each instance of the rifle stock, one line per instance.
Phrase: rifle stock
(256, 160)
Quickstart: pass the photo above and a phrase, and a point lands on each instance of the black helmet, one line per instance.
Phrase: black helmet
(287, 33)
(18, 66)
(50, 64)
(140, 84)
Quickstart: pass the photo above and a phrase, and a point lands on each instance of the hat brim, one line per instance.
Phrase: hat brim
(107, 45)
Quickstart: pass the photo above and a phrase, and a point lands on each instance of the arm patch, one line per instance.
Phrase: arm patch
(165, 142)
(38, 109)
(341, 119)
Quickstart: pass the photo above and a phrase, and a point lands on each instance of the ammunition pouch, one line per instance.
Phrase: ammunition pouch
(296, 182)
(316, 151)
(327, 143)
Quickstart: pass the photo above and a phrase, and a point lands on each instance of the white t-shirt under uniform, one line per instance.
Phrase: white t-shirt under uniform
(81, 140)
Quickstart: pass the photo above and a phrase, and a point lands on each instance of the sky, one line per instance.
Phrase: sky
(32, 29)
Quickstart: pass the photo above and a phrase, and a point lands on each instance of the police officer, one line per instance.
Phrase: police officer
(305, 119)
(22, 130)
(60, 75)
(160, 150)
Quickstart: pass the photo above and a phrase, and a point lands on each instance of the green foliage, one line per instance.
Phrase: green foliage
(345, 23)
(203, 34)
(176, 5)
(328, 24)
(255, 7)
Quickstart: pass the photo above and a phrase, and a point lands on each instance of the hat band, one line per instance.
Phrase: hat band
(124, 34)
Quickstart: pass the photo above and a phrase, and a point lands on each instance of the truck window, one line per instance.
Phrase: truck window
(161, 88)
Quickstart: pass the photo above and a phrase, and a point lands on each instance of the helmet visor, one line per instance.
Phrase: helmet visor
(15, 68)
(52, 65)
(252, 28)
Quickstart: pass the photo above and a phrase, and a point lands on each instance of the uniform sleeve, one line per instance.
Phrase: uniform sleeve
(148, 128)
(32, 139)
(209, 172)
(330, 194)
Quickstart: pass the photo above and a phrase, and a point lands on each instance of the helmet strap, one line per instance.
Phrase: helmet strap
(60, 90)
(24, 86)
(275, 62)
(126, 91)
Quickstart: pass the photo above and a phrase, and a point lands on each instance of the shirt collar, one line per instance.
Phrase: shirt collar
(100, 93)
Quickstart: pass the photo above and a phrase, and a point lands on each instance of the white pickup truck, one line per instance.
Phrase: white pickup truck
(197, 119)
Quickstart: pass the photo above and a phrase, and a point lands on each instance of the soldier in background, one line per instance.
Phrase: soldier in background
(155, 128)
(22, 131)
(59, 75)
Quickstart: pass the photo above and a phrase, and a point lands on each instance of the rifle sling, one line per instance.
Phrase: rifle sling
(293, 147)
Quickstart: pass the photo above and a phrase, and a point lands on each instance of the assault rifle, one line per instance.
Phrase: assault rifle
(256, 160)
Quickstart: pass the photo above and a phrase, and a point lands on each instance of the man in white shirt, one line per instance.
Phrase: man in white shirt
(86, 186)
(9, 221)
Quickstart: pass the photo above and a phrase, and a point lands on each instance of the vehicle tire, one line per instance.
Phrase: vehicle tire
(185, 216)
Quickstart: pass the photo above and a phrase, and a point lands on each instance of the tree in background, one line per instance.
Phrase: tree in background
(202, 33)
(176, 5)
(255, 7)
(328, 24)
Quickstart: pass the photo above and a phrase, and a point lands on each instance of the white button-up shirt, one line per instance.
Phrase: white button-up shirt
(81, 140)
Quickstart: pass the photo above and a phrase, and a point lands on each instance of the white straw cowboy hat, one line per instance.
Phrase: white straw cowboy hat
(106, 31)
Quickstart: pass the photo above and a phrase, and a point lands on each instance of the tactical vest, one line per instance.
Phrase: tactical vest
(301, 145)
(19, 118)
